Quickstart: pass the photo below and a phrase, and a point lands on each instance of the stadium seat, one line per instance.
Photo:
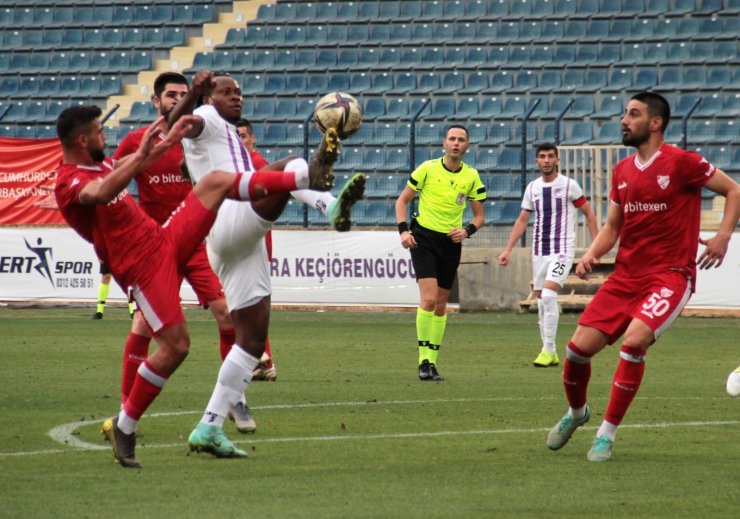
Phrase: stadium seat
(646, 79)
(514, 108)
(501, 82)
(573, 80)
(491, 107)
(580, 133)
(582, 107)
(404, 82)
(710, 106)
(429, 133)
(611, 106)
(594, 80)
(731, 106)
(381, 82)
(524, 81)
(609, 133)
(619, 80)
(374, 108)
(442, 108)
(467, 107)
(475, 82)
(451, 83)
(499, 133)
(428, 83)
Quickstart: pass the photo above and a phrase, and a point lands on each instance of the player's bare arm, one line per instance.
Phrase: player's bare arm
(203, 83)
(603, 243)
(104, 191)
(593, 226)
(402, 203)
(716, 247)
(520, 226)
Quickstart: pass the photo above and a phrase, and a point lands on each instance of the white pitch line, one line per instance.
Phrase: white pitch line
(65, 433)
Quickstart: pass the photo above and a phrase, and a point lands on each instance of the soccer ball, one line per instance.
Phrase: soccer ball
(733, 383)
(340, 111)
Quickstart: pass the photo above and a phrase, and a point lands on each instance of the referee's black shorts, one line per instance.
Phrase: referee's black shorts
(435, 256)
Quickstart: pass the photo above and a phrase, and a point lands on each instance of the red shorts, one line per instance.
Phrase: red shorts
(201, 277)
(157, 288)
(656, 299)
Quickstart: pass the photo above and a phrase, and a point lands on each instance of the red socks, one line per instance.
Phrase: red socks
(576, 374)
(627, 379)
(226, 339)
(147, 385)
(135, 352)
(259, 184)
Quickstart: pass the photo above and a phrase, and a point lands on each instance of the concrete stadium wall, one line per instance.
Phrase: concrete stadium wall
(484, 285)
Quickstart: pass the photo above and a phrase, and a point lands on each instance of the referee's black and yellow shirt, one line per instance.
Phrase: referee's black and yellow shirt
(443, 194)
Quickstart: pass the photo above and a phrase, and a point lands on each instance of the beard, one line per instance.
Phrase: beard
(635, 139)
(97, 155)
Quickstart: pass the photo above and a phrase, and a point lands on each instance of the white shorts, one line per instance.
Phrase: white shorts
(238, 255)
(555, 268)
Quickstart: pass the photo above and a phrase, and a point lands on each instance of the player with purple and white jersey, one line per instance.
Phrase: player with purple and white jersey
(553, 198)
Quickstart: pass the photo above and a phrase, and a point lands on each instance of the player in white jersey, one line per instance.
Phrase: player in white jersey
(553, 198)
(237, 249)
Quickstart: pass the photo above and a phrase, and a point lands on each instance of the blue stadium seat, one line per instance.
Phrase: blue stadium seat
(582, 107)
(381, 82)
(491, 107)
(368, 58)
(520, 56)
(573, 80)
(467, 107)
(552, 31)
(594, 80)
(485, 160)
(442, 108)
(428, 82)
(501, 82)
(609, 133)
(524, 81)
(619, 79)
(475, 82)
(611, 106)
(646, 79)
(396, 109)
(543, 55)
(429, 133)
(452, 82)
(514, 108)
(374, 108)
(317, 84)
(499, 133)
(731, 106)
(580, 133)
(405, 82)
(710, 106)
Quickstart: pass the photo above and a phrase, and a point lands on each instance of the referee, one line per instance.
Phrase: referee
(435, 236)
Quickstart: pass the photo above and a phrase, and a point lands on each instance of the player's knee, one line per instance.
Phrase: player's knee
(549, 295)
(297, 165)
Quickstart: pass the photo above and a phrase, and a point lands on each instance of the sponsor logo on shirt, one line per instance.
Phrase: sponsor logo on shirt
(645, 207)
(666, 292)
(622, 185)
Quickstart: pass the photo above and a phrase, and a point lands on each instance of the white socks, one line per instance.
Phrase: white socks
(320, 200)
(550, 318)
(300, 167)
(233, 379)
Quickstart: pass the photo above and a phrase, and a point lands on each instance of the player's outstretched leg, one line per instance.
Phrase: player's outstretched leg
(564, 429)
(320, 173)
(123, 444)
(211, 439)
(341, 209)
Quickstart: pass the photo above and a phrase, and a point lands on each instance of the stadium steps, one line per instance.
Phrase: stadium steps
(576, 292)
(181, 58)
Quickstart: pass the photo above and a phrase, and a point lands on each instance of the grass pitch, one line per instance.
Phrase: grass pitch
(348, 431)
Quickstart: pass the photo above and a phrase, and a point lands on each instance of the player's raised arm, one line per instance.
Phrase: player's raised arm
(203, 83)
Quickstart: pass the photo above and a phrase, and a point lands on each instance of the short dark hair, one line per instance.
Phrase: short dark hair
(657, 106)
(243, 123)
(168, 77)
(73, 119)
(546, 146)
(460, 126)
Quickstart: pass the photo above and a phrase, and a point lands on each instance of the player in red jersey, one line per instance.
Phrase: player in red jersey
(265, 370)
(161, 189)
(143, 255)
(655, 215)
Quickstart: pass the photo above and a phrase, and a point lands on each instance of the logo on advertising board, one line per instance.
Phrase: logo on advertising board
(39, 262)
